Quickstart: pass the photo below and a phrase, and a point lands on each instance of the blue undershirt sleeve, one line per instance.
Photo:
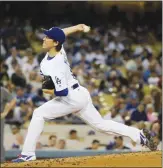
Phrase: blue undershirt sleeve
(61, 93)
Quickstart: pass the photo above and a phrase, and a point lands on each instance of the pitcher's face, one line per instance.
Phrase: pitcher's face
(49, 43)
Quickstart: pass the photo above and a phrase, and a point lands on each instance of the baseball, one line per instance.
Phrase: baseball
(86, 28)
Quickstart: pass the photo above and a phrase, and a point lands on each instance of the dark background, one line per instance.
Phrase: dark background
(77, 12)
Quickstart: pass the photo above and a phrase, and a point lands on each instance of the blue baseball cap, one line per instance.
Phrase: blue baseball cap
(56, 34)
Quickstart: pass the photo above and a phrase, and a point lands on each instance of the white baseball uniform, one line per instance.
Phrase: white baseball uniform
(78, 101)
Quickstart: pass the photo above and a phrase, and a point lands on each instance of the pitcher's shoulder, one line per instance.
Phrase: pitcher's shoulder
(60, 57)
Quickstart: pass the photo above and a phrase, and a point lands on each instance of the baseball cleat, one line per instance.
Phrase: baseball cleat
(24, 158)
(147, 140)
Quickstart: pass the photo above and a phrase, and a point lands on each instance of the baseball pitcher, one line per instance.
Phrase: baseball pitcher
(71, 97)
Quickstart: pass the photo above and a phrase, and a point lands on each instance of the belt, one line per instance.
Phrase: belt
(75, 86)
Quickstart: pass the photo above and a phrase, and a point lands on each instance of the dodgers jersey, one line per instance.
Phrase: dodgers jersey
(59, 69)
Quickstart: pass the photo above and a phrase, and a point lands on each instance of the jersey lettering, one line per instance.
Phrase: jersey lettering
(58, 81)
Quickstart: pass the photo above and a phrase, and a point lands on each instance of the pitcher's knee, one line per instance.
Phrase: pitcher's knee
(37, 113)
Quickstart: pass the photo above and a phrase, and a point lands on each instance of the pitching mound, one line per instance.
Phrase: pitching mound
(140, 159)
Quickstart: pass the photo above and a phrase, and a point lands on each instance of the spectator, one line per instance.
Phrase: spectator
(18, 78)
(147, 99)
(20, 95)
(30, 63)
(39, 99)
(90, 55)
(39, 34)
(11, 69)
(95, 145)
(139, 114)
(114, 115)
(114, 58)
(13, 57)
(73, 141)
(115, 44)
(138, 51)
(124, 93)
(18, 139)
(73, 135)
(151, 114)
(113, 73)
(131, 65)
(22, 113)
(117, 144)
(29, 92)
(122, 109)
(153, 79)
(132, 104)
(100, 57)
(117, 85)
(151, 69)
(157, 101)
(28, 27)
(146, 61)
(11, 87)
(52, 141)
(61, 144)
(91, 132)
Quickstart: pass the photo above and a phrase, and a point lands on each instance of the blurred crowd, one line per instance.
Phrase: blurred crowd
(123, 64)
(73, 140)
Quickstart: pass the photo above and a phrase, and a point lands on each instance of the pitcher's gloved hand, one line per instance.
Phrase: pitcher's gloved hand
(47, 83)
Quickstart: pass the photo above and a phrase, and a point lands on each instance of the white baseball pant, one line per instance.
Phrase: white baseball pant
(78, 102)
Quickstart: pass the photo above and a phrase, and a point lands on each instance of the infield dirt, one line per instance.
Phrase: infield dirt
(139, 159)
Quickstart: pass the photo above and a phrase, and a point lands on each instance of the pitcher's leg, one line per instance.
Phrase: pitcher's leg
(91, 116)
(34, 130)
(50, 110)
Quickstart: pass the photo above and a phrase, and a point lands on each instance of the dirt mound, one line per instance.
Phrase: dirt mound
(139, 159)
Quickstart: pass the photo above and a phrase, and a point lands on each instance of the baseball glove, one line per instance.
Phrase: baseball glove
(47, 83)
